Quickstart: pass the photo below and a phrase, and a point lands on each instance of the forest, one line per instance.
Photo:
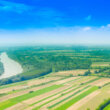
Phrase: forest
(38, 61)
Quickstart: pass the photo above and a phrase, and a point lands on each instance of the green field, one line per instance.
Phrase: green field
(63, 93)
(107, 107)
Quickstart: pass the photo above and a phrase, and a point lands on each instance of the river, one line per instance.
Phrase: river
(11, 67)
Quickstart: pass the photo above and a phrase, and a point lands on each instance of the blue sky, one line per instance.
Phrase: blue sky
(58, 21)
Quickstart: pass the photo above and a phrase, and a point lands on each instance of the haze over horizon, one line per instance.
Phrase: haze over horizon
(54, 22)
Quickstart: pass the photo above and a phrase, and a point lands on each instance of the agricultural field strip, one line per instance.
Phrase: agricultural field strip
(83, 101)
(73, 72)
(18, 107)
(55, 81)
(86, 80)
(8, 90)
(106, 87)
(68, 97)
(49, 93)
(43, 81)
(30, 103)
(53, 97)
(72, 80)
(33, 86)
(97, 82)
(49, 103)
(102, 83)
(13, 101)
(29, 82)
(19, 88)
(78, 78)
(17, 94)
(89, 81)
(59, 98)
(76, 99)
(92, 80)
(42, 96)
(23, 92)
(63, 81)
(62, 91)
(97, 100)
(12, 85)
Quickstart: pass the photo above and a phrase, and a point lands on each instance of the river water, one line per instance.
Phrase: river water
(11, 67)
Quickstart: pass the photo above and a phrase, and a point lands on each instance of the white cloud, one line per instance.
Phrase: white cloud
(108, 25)
(87, 28)
(102, 27)
(61, 35)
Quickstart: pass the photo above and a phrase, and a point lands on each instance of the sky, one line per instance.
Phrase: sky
(54, 22)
